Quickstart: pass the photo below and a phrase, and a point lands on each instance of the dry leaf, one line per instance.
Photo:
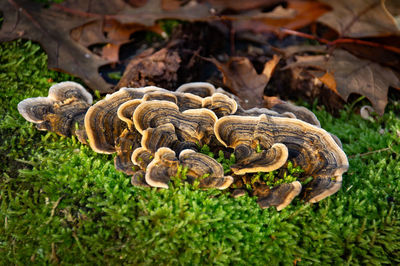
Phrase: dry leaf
(352, 75)
(152, 68)
(65, 30)
(361, 18)
(89, 34)
(221, 5)
(119, 34)
(243, 80)
(329, 80)
(298, 14)
(26, 19)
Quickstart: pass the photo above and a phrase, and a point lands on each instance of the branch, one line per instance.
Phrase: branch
(341, 40)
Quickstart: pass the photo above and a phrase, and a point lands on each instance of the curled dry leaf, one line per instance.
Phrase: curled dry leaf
(362, 18)
(243, 80)
(344, 74)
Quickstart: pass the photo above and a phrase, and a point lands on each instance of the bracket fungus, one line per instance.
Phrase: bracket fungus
(155, 132)
(62, 111)
(240, 133)
(161, 168)
(125, 144)
(193, 125)
(209, 172)
(202, 89)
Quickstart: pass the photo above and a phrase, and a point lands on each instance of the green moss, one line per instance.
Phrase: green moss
(61, 203)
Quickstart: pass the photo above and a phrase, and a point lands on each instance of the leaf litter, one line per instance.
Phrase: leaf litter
(215, 41)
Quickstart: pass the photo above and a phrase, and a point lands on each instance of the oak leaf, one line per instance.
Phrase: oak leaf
(362, 18)
(296, 15)
(27, 20)
(345, 74)
(243, 80)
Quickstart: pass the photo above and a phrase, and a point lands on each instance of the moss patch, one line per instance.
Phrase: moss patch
(62, 203)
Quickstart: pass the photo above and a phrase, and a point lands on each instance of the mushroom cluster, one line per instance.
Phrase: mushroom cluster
(155, 132)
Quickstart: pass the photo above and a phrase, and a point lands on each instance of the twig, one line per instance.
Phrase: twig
(341, 40)
(54, 209)
(370, 152)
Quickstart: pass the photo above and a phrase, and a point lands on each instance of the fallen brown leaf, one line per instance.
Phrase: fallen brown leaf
(240, 76)
(221, 5)
(362, 18)
(351, 75)
(119, 34)
(26, 19)
(66, 30)
(152, 68)
(329, 80)
(296, 15)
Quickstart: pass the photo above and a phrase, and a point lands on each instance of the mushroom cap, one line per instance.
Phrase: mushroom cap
(250, 161)
(300, 112)
(188, 101)
(256, 111)
(141, 157)
(208, 170)
(202, 89)
(234, 130)
(102, 122)
(201, 126)
(69, 89)
(193, 125)
(64, 117)
(161, 136)
(220, 104)
(125, 144)
(61, 112)
(35, 109)
(322, 187)
(125, 111)
(230, 95)
(200, 164)
(161, 96)
(154, 113)
(163, 166)
(138, 179)
(309, 146)
(281, 195)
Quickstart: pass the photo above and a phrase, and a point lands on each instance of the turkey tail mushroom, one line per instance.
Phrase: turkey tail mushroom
(103, 126)
(194, 125)
(238, 132)
(202, 89)
(220, 104)
(207, 170)
(310, 147)
(62, 111)
(280, 196)
(161, 168)
(125, 144)
(148, 127)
